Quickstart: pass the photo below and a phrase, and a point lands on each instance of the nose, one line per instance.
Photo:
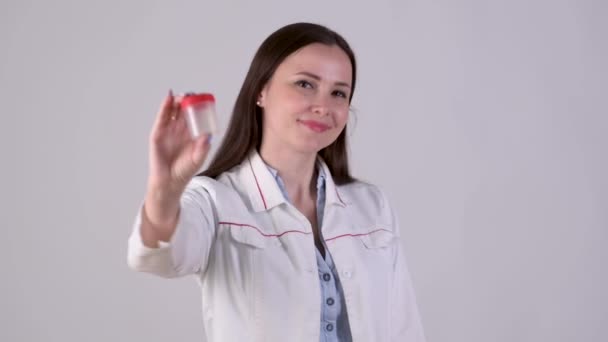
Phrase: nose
(321, 105)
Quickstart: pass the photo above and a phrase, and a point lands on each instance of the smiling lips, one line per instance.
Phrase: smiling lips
(315, 125)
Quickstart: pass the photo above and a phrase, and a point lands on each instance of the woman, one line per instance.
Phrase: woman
(286, 244)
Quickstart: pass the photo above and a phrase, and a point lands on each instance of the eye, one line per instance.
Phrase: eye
(339, 93)
(304, 84)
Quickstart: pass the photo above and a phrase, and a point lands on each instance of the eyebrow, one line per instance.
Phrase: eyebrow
(316, 77)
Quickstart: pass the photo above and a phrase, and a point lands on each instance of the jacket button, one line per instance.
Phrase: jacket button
(326, 277)
(329, 327)
(330, 301)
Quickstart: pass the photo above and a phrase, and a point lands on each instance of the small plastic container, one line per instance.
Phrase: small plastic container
(199, 110)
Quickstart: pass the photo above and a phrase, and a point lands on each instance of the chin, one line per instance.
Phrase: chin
(312, 146)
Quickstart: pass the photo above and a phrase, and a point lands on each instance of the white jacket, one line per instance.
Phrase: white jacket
(254, 255)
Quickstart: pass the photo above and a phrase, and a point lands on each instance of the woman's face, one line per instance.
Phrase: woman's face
(305, 103)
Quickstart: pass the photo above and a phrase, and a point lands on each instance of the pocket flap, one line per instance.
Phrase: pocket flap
(248, 235)
(378, 238)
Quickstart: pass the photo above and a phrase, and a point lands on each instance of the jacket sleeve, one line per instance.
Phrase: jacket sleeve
(405, 322)
(187, 251)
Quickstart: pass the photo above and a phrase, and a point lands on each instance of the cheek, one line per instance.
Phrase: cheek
(290, 102)
(341, 116)
(296, 101)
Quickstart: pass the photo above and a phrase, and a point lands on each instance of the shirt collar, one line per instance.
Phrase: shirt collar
(279, 180)
(265, 193)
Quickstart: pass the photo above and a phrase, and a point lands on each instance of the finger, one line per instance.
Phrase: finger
(179, 126)
(176, 110)
(164, 113)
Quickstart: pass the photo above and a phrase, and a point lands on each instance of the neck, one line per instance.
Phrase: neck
(296, 170)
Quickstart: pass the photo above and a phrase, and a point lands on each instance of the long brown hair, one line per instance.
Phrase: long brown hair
(245, 128)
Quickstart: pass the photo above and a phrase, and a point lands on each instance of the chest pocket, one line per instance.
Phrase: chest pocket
(378, 238)
(247, 235)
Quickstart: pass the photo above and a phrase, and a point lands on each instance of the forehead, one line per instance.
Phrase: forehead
(328, 62)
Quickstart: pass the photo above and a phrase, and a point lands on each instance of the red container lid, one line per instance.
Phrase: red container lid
(195, 99)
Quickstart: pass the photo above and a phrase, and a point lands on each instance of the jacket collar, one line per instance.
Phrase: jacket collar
(264, 192)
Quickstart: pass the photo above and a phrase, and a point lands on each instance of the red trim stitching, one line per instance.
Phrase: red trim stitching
(259, 231)
(258, 184)
(299, 231)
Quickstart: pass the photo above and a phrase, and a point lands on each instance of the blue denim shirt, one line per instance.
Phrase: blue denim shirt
(334, 318)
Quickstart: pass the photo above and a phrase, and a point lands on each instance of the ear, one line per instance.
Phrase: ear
(262, 96)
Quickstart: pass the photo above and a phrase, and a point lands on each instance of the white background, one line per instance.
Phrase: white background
(485, 122)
